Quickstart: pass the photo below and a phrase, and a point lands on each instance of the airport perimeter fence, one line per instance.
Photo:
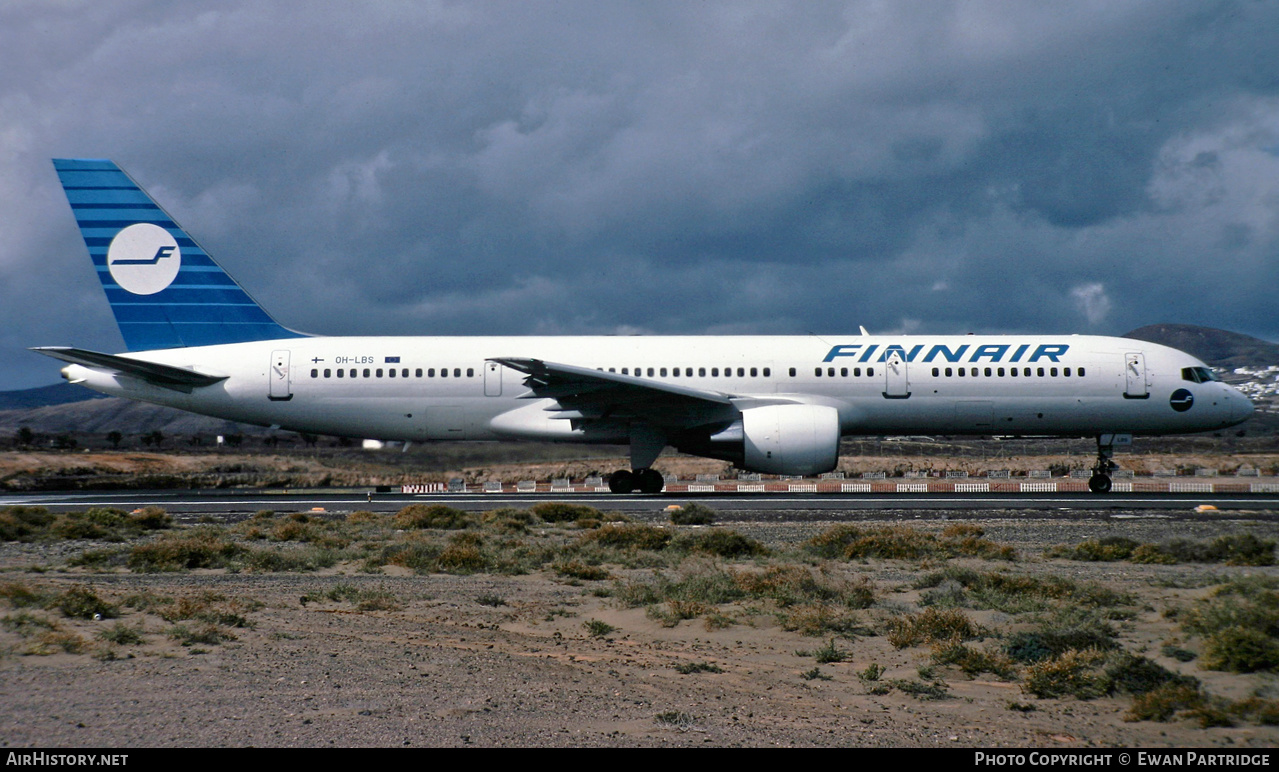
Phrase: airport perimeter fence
(998, 481)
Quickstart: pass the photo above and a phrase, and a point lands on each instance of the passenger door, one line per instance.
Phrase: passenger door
(896, 377)
(281, 386)
(1135, 376)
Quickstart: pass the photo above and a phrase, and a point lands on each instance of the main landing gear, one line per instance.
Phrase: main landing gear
(642, 480)
(1100, 480)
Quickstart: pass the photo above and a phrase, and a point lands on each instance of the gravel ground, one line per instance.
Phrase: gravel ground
(442, 668)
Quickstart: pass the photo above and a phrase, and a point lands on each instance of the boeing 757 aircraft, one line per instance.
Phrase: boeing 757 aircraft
(773, 404)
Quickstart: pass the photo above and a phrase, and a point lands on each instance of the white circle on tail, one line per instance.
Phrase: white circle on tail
(144, 258)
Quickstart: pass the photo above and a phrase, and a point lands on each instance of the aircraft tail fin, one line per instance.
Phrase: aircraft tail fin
(165, 291)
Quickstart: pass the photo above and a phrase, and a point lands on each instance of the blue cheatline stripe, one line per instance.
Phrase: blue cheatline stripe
(202, 306)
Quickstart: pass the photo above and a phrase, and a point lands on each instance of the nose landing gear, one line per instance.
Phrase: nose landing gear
(1100, 480)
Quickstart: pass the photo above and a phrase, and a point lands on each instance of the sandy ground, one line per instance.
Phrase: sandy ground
(442, 668)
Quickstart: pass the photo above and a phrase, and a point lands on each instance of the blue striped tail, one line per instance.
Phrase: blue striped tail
(165, 291)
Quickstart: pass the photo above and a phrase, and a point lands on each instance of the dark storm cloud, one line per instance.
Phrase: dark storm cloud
(455, 168)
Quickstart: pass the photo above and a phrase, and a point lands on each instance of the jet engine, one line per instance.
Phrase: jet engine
(791, 439)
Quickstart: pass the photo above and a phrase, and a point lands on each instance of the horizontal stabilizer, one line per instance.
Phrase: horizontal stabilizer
(167, 376)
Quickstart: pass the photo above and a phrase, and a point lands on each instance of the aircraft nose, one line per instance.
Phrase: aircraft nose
(1240, 407)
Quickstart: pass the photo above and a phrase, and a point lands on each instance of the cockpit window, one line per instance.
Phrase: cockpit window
(1198, 374)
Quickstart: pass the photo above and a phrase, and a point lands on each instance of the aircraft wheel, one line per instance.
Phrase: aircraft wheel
(649, 481)
(1099, 483)
(621, 481)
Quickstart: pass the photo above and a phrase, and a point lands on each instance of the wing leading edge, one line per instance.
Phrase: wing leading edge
(584, 394)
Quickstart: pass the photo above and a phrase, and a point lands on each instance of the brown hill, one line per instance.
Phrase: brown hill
(1219, 348)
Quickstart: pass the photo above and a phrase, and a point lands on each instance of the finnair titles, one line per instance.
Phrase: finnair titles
(774, 404)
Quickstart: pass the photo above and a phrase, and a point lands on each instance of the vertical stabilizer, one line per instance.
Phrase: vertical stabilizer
(165, 291)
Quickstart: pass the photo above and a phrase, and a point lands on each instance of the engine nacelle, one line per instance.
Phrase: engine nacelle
(791, 439)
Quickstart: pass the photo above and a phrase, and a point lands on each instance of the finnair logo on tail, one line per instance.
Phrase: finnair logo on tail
(144, 258)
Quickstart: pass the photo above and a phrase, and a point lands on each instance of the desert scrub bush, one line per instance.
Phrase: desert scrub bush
(80, 602)
(507, 520)
(364, 598)
(273, 560)
(973, 662)
(1134, 674)
(1242, 549)
(576, 569)
(122, 634)
(674, 611)
(1239, 623)
(699, 584)
(818, 619)
(460, 558)
(693, 514)
(1073, 674)
(151, 519)
(786, 585)
(921, 690)
(829, 653)
(436, 516)
(25, 623)
(723, 542)
(1011, 593)
(903, 543)
(674, 719)
(932, 625)
(210, 607)
(597, 628)
(23, 523)
(628, 536)
(198, 548)
(1068, 628)
(22, 595)
(111, 557)
(1107, 548)
(1240, 649)
(561, 512)
(204, 632)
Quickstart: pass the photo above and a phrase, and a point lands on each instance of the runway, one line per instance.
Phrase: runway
(236, 504)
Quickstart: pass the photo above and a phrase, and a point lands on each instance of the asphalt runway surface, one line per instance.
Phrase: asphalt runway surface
(193, 504)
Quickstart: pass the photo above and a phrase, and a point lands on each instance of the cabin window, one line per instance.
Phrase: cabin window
(817, 371)
(701, 372)
(948, 372)
(1053, 372)
(457, 372)
(470, 372)
(714, 372)
(1001, 372)
(315, 373)
(1012, 371)
(444, 372)
(792, 372)
(339, 372)
(754, 372)
(379, 372)
(1081, 372)
(390, 373)
(768, 371)
(1041, 372)
(961, 372)
(870, 372)
(419, 372)
(328, 373)
(987, 372)
(936, 372)
(1066, 372)
(650, 372)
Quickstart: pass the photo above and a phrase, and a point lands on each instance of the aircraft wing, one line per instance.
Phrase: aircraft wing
(166, 376)
(585, 394)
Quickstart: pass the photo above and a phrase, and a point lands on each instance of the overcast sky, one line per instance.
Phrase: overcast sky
(650, 167)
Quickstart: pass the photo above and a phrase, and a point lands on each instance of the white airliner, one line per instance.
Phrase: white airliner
(769, 404)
